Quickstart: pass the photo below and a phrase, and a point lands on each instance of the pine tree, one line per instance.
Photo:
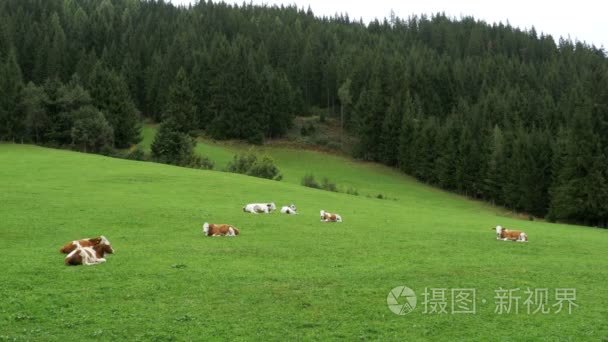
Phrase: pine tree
(91, 132)
(11, 83)
(390, 133)
(33, 106)
(495, 174)
(111, 96)
(181, 107)
(406, 136)
(171, 146)
(580, 194)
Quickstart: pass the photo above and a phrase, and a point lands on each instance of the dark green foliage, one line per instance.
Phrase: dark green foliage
(111, 95)
(201, 162)
(352, 191)
(136, 154)
(11, 119)
(180, 105)
(309, 181)
(580, 190)
(33, 106)
(171, 146)
(265, 168)
(91, 132)
(250, 164)
(328, 185)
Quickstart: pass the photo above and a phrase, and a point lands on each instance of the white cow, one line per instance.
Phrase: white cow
(289, 209)
(256, 208)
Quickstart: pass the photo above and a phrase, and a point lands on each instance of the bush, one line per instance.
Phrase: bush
(328, 185)
(265, 168)
(171, 146)
(250, 165)
(241, 163)
(256, 139)
(136, 154)
(91, 131)
(352, 191)
(309, 181)
(308, 129)
(200, 162)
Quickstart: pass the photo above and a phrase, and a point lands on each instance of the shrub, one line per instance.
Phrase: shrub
(308, 129)
(265, 168)
(200, 162)
(250, 165)
(328, 185)
(352, 191)
(171, 146)
(91, 131)
(309, 181)
(136, 154)
(241, 163)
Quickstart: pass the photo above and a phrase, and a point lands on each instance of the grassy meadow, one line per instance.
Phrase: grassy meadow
(284, 277)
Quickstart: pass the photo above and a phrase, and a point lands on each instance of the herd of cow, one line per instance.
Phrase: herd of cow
(223, 229)
(92, 251)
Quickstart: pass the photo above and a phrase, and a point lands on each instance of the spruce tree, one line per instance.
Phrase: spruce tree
(111, 95)
(11, 83)
(181, 107)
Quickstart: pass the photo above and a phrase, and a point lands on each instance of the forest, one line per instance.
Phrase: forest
(490, 111)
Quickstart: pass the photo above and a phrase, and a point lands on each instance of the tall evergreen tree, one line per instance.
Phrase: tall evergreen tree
(181, 107)
(11, 83)
(110, 94)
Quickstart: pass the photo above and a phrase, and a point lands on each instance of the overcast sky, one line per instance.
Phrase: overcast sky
(585, 20)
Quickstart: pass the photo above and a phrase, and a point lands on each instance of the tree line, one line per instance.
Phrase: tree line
(486, 110)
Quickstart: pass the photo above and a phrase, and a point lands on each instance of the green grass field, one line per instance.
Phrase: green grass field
(284, 277)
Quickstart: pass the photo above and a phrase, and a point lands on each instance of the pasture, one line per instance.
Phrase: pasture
(284, 277)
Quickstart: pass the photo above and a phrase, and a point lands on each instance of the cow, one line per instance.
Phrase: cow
(289, 209)
(222, 229)
(90, 255)
(256, 208)
(508, 234)
(89, 242)
(329, 217)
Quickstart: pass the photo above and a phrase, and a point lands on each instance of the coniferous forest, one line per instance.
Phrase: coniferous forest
(514, 117)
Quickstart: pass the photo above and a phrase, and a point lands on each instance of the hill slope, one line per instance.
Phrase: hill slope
(284, 277)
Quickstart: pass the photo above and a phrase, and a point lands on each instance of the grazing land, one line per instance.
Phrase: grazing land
(284, 277)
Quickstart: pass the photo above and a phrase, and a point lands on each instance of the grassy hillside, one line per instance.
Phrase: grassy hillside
(284, 277)
(370, 179)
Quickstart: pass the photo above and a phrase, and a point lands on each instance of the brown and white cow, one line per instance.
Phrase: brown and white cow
(329, 217)
(509, 234)
(91, 255)
(222, 229)
(89, 242)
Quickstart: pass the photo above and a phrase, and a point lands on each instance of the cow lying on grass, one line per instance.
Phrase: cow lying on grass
(257, 208)
(89, 255)
(89, 242)
(508, 234)
(290, 209)
(329, 217)
(214, 229)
